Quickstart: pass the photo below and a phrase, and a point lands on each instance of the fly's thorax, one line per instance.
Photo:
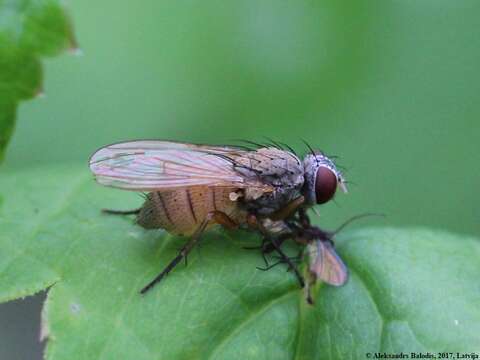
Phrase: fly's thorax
(280, 169)
(272, 166)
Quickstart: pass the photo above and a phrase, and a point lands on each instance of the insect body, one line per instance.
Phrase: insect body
(192, 187)
(267, 179)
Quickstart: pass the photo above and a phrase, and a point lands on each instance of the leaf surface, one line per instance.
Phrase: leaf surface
(409, 289)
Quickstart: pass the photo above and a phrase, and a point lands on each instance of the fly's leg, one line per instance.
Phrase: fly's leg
(281, 214)
(288, 210)
(212, 217)
(121, 212)
(217, 217)
(303, 217)
(287, 260)
(295, 259)
(268, 247)
(182, 253)
(258, 247)
(262, 247)
(253, 222)
(223, 219)
(268, 266)
(284, 213)
(264, 257)
(265, 248)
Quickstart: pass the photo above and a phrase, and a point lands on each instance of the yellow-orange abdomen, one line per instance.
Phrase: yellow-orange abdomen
(182, 211)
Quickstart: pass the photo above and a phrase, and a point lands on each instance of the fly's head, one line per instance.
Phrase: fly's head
(321, 179)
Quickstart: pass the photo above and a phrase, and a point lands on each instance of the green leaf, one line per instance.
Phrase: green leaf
(29, 29)
(409, 289)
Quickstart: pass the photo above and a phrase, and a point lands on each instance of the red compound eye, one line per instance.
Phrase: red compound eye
(325, 184)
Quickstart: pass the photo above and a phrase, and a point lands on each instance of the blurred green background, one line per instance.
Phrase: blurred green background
(392, 87)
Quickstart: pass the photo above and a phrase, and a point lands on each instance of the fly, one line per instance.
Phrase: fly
(193, 187)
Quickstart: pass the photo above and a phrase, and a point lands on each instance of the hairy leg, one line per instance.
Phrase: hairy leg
(254, 223)
(121, 212)
(212, 217)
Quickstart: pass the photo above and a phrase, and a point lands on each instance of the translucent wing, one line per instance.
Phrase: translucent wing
(326, 265)
(149, 165)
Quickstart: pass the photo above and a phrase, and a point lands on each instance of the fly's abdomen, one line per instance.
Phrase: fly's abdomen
(182, 211)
